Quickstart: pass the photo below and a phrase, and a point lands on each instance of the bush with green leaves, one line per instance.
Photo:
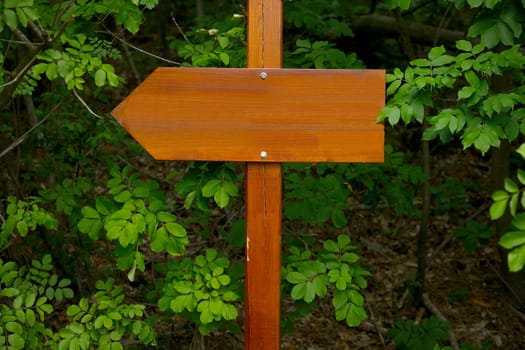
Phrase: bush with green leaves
(25, 216)
(31, 297)
(201, 290)
(478, 115)
(220, 45)
(206, 180)
(27, 296)
(429, 334)
(104, 321)
(473, 234)
(330, 270)
(135, 212)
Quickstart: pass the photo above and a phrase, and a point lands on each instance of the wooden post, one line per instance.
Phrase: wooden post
(263, 198)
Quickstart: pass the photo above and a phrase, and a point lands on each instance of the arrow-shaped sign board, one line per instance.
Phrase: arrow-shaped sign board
(272, 115)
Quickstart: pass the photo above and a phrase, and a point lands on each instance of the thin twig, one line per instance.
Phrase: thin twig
(86, 105)
(20, 74)
(376, 325)
(141, 50)
(23, 137)
(452, 337)
(181, 31)
(22, 37)
(21, 42)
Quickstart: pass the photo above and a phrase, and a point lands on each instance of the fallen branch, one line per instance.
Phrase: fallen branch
(452, 337)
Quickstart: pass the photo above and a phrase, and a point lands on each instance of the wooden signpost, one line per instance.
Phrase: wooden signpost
(262, 115)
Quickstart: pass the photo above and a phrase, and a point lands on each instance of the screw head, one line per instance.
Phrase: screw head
(264, 154)
(263, 75)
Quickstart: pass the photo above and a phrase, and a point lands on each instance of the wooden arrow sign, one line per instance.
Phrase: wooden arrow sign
(262, 115)
(273, 115)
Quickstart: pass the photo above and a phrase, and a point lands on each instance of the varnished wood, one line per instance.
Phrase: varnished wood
(263, 186)
(263, 255)
(294, 115)
(265, 24)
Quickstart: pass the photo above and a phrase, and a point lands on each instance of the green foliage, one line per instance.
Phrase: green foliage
(449, 196)
(78, 59)
(208, 180)
(26, 301)
(473, 234)
(29, 296)
(512, 197)
(313, 273)
(135, 212)
(318, 17)
(201, 290)
(319, 55)
(222, 45)
(478, 115)
(315, 199)
(25, 216)
(459, 295)
(425, 336)
(104, 321)
(63, 50)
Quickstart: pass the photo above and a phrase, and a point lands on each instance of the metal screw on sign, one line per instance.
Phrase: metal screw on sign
(264, 154)
(263, 75)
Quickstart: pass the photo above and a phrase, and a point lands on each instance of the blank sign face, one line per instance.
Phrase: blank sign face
(258, 115)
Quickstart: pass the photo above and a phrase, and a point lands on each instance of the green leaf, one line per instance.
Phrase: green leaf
(176, 230)
(160, 237)
(499, 196)
(165, 216)
(356, 298)
(16, 341)
(10, 18)
(521, 150)
(30, 317)
(225, 58)
(14, 327)
(296, 277)
(9, 292)
(310, 292)
(229, 312)
(90, 213)
(516, 259)
(210, 188)
(512, 240)
(510, 186)
(436, 52)
(497, 209)
(221, 197)
(298, 292)
(464, 45)
(122, 196)
(519, 221)
(331, 246)
(100, 77)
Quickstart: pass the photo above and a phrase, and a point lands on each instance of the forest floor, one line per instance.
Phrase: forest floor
(466, 288)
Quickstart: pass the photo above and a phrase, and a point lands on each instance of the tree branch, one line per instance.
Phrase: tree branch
(22, 138)
(422, 33)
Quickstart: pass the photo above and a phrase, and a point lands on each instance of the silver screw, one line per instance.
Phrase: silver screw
(263, 154)
(263, 75)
